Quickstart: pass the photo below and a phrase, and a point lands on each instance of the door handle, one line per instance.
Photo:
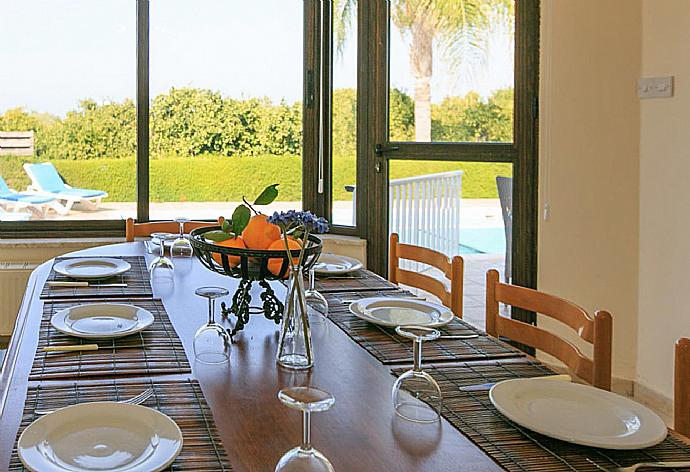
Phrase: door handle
(382, 149)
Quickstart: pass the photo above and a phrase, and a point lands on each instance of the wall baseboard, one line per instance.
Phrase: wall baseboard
(660, 403)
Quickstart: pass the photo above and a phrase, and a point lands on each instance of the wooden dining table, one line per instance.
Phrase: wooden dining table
(361, 432)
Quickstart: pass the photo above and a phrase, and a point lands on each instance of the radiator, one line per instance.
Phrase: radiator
(13, 279)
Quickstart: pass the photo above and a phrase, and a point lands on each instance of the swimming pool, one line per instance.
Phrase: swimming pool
(482, 241)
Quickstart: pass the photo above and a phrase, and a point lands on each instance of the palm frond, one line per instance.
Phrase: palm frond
(463, 33)
(344, 12)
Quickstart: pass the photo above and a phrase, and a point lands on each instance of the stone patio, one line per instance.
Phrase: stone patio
(474, 302)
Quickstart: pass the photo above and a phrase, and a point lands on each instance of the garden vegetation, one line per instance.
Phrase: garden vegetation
(206, 147)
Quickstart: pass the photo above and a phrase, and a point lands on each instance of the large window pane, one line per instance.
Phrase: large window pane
(451, 70)
(344, 112)
(68, 77)
(226, 113)
(454, 208)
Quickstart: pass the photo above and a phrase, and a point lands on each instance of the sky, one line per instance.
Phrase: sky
(54, 53)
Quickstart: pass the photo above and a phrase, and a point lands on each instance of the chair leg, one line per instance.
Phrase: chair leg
(39, 212)
(62, 209)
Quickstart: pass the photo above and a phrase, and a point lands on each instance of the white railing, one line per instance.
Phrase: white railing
(425, 210)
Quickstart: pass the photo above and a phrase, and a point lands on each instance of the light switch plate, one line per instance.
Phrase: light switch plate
(655, 87)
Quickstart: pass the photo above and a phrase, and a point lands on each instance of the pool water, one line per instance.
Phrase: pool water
(482, 241)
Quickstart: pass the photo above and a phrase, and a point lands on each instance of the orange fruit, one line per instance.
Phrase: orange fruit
(233, 261)
(274, 264)
(259, 233)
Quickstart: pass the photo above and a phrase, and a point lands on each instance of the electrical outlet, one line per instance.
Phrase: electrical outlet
(655, 87)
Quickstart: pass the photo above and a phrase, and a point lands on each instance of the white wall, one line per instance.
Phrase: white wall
(589, 155)
(664, 276)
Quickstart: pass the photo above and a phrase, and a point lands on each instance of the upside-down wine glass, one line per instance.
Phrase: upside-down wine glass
(416, 395)
(161, 267)
(304, 458)
(211, 341)
(181, 247)
(318, 306)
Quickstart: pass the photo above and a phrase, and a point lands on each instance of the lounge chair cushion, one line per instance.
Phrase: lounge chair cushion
(81, 193)
(26, 198)
(4, 188)
(46, 175)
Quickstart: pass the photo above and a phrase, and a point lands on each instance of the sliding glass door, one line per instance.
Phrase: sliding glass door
(455, 158)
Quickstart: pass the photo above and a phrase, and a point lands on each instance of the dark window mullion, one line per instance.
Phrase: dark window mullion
(373, 130)
(142, 105)
(325, 197)
(310, 106)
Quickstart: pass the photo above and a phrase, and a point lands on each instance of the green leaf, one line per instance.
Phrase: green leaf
(267, 196)
(218, 236)
(240, 219)
(225, 226)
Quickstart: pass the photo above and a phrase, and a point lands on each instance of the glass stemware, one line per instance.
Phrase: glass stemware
(423, 402)
(318, 306)
(304, 458)
(161, 267)
(211, 341)
(181, 247)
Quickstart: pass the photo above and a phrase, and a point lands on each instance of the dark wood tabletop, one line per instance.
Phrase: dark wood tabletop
(360, 433)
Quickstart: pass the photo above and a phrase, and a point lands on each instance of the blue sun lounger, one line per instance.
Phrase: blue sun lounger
(46, 181)
(14, 202)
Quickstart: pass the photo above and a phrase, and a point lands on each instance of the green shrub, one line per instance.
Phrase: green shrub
(206, 147)
(218, 178)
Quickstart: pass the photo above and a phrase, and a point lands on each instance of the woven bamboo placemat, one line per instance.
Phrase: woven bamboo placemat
(155, 350)
(516, 448)
(181, 400)
(137, 280)
(358, 281)
(390, 348)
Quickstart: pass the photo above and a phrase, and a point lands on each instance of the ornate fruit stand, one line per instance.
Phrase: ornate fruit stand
(249, 266)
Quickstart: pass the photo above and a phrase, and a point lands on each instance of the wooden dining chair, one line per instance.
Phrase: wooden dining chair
(452, 270)
(145, 229)
(597, 329)
(681, 388)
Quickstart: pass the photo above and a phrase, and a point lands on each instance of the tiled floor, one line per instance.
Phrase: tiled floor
(474, 294)
(476, 266)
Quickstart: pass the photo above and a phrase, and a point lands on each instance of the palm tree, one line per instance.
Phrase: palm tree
(458, 27)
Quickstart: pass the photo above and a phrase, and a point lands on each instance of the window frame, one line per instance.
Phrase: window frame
(372, 30)
(317, 49)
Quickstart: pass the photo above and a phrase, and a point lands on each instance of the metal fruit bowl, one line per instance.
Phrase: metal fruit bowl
(253, 263)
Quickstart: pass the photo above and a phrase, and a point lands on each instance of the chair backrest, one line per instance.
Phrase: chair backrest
(132, 229)
(597, 330)
(505, 196)
(45, 176)
(4, 188)
(452, 269)
(681, 388)
(16, 143)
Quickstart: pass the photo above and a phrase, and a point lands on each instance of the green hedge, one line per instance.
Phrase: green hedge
(193, 122)
(214, 178)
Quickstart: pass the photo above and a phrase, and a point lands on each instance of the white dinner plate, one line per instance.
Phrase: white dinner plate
(100, 436)
(101, 320)
(91, 268)
(333, 264)
(576, 413)
(390, 311)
